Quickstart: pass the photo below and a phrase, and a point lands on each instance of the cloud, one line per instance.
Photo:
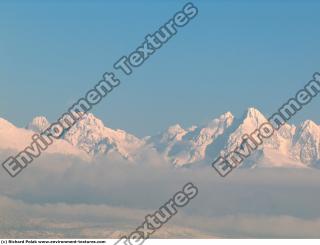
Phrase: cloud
(60, 220)
(59, 196)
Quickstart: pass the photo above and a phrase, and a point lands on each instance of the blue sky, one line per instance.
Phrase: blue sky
(233, 55)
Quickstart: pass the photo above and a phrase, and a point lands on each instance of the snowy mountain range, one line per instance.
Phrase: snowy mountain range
(291, 146)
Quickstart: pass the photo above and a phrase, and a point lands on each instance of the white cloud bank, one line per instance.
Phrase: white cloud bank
(63, 197)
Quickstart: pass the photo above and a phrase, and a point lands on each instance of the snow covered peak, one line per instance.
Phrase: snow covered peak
(15, 138)
(182, 146)
(311, 126)
(227, 115)
(38, 124)
(289, 146)
(90, 122)
(4, 124)
(252, 119)
(175, 128)
(92, 136)
(306, 143)
(254, 113)
(86, 132)
(174, 132)
(224, 121)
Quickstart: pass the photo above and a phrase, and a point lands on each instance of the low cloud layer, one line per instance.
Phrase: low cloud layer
(64, 197)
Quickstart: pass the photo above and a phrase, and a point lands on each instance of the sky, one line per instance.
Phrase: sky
(233, 55)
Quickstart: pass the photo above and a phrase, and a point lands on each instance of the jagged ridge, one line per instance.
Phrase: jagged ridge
(291, 146)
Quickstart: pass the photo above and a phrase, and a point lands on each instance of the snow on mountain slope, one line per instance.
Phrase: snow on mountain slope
(91, 135)
(274, 152)
(14, 138)
(250, 121)
(163, 142)
(306, 143)
(181, 146)
(38, 124)
(290, 146)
